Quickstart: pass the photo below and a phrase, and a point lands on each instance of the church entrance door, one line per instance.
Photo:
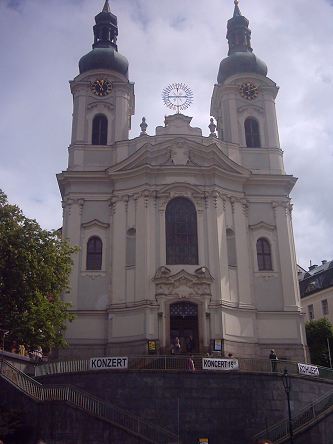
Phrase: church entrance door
(184, 325)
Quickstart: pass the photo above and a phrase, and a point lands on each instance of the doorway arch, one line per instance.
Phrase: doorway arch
(184, 324)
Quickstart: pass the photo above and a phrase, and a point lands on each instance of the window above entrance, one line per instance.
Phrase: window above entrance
(183, 309)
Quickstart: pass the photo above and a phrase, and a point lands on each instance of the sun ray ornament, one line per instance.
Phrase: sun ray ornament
(177, 96)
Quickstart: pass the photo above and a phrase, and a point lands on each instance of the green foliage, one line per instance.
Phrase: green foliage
(34, 270)
(317, 333)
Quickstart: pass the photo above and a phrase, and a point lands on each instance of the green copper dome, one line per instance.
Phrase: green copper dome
(241, 58)
(104, 54)
(241, 62)
(104, 58)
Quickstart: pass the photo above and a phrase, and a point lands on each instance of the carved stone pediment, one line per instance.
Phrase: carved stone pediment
(95, 223)
(179, 152)
(183, 284)
(262, 226)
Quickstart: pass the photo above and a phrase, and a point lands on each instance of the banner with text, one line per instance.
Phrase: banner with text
(105, 363)
(306, 369)
(219, 364)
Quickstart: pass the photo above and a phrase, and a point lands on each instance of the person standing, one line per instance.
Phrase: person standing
(190, 364)
(274, 359)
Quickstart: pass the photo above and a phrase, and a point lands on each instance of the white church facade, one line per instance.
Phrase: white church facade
(179, 235)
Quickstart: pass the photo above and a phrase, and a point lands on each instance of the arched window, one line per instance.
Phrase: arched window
(130, 247)
(181, 232)
(94, 253)
(231, 246)
(252, 134)
(100, 130)
(264, 255)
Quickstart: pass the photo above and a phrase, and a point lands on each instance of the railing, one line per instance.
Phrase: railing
(279, 432)
(176, 363)
(88, 403)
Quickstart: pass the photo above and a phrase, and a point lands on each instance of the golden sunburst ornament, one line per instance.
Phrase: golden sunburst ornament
(177, 96)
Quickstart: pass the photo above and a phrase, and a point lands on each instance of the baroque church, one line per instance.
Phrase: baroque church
(180, 235)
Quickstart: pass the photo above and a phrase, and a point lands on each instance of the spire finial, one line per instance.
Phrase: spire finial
(237, 10)
(106, 7)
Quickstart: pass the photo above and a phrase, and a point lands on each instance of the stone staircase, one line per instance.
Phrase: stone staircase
(306, 418)
(84, 401)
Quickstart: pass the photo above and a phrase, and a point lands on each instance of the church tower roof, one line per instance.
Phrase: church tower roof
(104, 54)
(241, 58)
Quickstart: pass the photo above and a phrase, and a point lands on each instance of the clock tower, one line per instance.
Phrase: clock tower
(103, 96)
(243, 101)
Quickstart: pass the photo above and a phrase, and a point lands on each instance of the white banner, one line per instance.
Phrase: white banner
(306, 369)
(219, 364)
(107, 363)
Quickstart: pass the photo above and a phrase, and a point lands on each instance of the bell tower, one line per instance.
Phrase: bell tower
(103, 97)
(243, 102)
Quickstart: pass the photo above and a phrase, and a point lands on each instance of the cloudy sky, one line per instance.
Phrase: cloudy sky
(41, 42)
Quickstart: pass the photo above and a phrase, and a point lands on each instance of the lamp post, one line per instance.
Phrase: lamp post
(287, 385)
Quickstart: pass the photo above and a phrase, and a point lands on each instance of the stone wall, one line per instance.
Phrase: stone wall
(221, 406)
(57, 423)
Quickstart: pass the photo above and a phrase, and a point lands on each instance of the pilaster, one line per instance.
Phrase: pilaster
(119, 251)
(286, 254)
(242, 253)
(213, 243)
(72, 232)
(141, 247)
(222, 248)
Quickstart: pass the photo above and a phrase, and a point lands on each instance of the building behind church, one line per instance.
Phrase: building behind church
(180, 235)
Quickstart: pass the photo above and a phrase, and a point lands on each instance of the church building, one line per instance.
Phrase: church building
(180, 235)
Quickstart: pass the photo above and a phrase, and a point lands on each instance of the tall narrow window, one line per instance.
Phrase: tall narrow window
(231, 246)
(264, 255)
(252, 134)
(130, 247)
(324, 307)
(181, 232)
(100, 130)
(94, 253)
(311, 312)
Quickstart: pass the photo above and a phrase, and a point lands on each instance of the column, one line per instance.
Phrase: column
(222, 249)
(122, 114)
(213, 245)
(151, 244)
(119, 251)
(286, 255)
(202, 256)
(72, 233)
(141, 248)
(242, 253)
(162, 239)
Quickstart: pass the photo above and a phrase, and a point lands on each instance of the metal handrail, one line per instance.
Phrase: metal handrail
(89, 403)
(176, 363)
(313, 412)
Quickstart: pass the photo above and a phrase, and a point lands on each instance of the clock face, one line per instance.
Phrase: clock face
(248, 91)
(101, 87)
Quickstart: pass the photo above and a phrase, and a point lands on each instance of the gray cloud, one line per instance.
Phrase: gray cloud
(41, 43)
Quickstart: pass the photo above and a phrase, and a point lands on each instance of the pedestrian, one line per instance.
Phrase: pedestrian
(14, 347)
(177, 346)
(190, 364)
(274, 359)
(189, 344)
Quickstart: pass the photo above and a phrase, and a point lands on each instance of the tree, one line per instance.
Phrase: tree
(34, 271)
(317, 333)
